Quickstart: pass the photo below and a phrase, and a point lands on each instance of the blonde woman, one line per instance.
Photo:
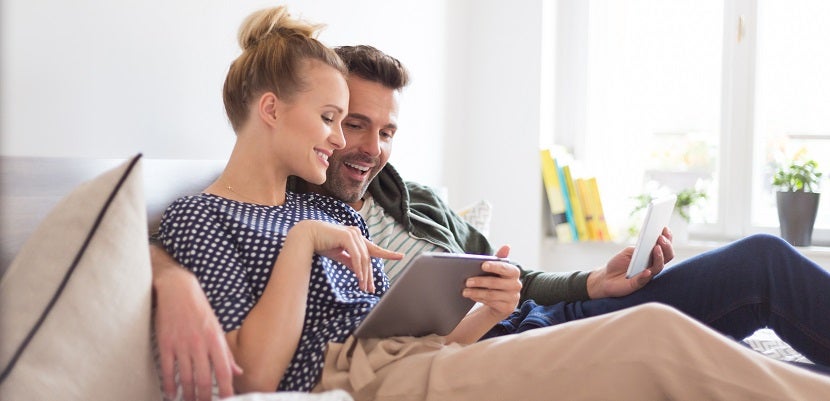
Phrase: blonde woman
(285, 97)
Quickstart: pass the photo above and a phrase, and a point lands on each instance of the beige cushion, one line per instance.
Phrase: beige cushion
(478, 215)
(75, 302)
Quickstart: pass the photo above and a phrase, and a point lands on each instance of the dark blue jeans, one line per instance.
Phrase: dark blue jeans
(759, 281)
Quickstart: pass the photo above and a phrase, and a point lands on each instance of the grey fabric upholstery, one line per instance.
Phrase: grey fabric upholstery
(31, 186)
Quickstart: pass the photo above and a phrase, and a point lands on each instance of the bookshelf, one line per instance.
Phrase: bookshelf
(574, 205)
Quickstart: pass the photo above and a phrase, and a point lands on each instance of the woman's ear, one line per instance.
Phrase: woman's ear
(269, 108)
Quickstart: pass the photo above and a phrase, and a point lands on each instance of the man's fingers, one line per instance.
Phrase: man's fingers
(667, 233)
(483, 295)
(503, 252)
(202, 376)
(506, 279)
(642, 279)
(186, 378)
(503, 269)
(168, 372)
(502, 301)
(668, 249)
(657, 258)
(223, 366)
(657, 261)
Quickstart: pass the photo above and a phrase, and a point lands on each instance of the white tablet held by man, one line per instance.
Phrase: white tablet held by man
(658, 214)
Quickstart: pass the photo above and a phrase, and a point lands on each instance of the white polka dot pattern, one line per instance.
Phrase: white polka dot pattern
(232, 246)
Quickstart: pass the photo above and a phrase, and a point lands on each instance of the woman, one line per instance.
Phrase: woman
(290, 276)
(285, 96)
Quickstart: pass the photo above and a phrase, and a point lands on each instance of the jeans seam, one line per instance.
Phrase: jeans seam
(806, 331)
(733, 307)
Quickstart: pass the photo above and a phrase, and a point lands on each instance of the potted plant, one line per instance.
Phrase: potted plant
(797, 199)
(685, 199)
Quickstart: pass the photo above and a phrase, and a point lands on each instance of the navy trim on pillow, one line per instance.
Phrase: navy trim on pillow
(69, 271)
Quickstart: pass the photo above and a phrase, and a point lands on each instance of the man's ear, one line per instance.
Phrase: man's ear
(269, 108)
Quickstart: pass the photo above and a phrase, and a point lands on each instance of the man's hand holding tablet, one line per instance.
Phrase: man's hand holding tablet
(658, 214)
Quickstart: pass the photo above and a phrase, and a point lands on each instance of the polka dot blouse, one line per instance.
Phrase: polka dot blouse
(231, 247)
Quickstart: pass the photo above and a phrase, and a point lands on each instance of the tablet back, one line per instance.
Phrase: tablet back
(426, 298)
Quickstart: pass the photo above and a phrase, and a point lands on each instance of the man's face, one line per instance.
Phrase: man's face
(369, 129)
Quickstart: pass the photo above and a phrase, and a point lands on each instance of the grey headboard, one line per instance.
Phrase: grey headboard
(31, 186)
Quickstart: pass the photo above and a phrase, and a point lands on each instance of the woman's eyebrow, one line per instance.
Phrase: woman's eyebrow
(336, 107)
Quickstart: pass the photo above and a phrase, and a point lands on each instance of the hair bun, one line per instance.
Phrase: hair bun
(273, 22)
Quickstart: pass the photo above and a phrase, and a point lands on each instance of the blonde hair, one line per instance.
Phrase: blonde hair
(275, 47)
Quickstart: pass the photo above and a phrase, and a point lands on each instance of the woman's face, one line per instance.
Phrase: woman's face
(308, 128)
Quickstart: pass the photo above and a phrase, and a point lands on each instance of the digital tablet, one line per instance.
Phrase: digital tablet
(426, 298)
(658, 214)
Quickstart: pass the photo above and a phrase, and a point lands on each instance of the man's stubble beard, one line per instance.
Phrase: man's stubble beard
(336, 187)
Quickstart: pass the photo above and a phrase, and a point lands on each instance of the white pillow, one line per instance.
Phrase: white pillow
(478, 215)
(75, 303)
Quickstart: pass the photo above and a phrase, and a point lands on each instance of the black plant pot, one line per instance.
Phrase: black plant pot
(796, 215)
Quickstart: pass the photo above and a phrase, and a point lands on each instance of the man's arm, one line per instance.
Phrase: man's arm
(610, 280)
(430, 217)
(189, 336)
(548, 288)
(602, 282)
(545, 288)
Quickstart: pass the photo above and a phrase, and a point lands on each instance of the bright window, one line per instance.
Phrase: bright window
(690, 93)
(792, 96)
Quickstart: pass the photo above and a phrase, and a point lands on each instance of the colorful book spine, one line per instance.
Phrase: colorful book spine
(569, 214)
(576, 205)
(599, 215)
(587, 208)
(553, 191)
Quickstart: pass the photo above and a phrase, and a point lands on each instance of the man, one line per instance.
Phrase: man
(411, 218)
(759, 281)
(753, 283)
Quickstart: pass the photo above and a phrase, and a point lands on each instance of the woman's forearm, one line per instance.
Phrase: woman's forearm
(480, 320)
(265, 343)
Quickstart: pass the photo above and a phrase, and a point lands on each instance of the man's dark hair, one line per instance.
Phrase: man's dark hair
(374, 65)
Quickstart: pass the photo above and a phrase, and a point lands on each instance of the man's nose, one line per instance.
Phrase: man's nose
(371, 145)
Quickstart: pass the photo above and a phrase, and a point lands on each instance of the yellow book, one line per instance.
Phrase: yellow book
(587, 209)
(576, 206)
(553, 190)
(599, 214)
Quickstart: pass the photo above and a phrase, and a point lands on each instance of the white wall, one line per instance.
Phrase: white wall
(100, 78)
(493, 105)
